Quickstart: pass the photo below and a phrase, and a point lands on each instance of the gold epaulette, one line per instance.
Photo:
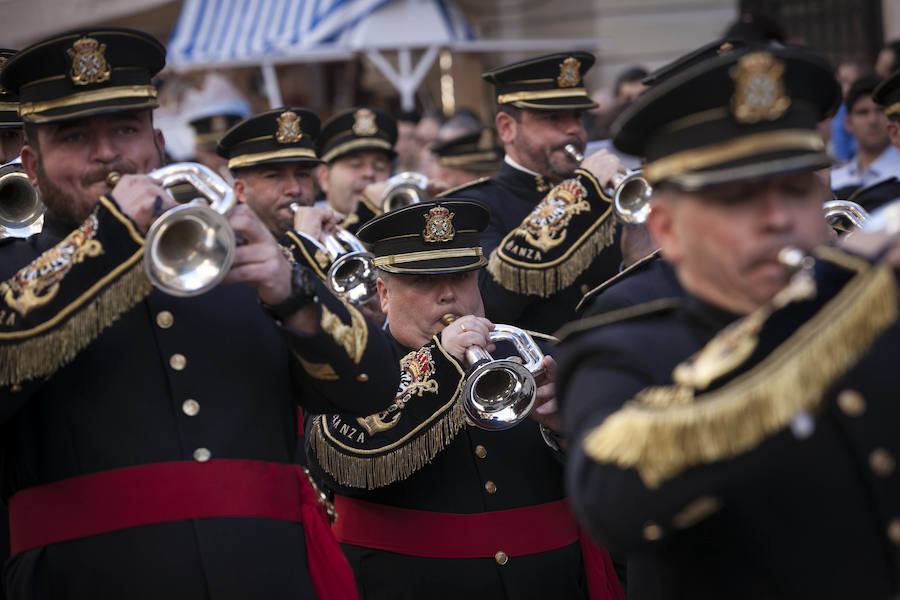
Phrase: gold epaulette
(464, 186)
(557, 241)
(377, 450)
(623, 274)
(666, 430)
(617, 316)
(57, 313)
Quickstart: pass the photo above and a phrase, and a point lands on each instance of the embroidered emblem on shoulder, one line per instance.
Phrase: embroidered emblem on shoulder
(289, 130)
(88, 62)
(758, 88)
(545, 227)
(464, 186)
(439, 225)
(569, 73)
(416, 378)
(37, 284)
(364, 122)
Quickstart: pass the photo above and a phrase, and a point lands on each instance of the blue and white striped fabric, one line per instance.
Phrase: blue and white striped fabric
(223, 31)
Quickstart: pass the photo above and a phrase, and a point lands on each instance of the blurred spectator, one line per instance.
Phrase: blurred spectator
(876, 159)
(888, 59)
(843, 144)
(627, 87)
(408, 146)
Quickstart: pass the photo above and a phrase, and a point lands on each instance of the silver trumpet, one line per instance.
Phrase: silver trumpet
(352, 274)
(21, 209)
(404, 189)
(835, 210)
(630, 192)
(499, 393)
(189, 249)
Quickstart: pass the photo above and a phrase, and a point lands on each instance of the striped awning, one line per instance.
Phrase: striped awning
(246, 31)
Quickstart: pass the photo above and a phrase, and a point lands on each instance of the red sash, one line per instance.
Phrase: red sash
(515, 532)
(162, 492)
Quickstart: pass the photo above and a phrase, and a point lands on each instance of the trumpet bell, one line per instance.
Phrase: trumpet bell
(404, 189)
(352, 276)
(498, 394)
(21, 209)
(189, 250)
(631, 198)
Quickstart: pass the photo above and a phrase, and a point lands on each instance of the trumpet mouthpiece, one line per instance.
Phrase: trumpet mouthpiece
(448, 318)
(572, 151)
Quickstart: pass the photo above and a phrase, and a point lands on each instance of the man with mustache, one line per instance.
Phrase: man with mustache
(432, 506)
(738, 441)
(357, 147)
(544, 254)
(148, 439)
(272, 157)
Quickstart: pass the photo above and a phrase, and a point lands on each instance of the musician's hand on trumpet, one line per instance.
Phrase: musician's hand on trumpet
(545, 410)
(604, 166)
(315, 221)
(258, 261)
(465, 332)
(140, 197)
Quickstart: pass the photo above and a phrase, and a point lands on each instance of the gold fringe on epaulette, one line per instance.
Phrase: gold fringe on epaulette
(661, 439)
(46, 353)
(372, 472)
(548, 279)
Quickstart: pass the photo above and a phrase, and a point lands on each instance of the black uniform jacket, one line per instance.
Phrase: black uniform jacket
(552, 255)
(650, 278)
(469, 471)
(761, 468)
(100, 371)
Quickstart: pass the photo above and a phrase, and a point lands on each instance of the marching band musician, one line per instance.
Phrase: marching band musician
(148, 439)
(738, 441)
(547, 243)
(429, 505)
(469, 157)
(357, 147)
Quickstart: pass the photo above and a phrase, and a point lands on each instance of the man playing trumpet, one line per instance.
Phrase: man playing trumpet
(130, 417)
(430, 505)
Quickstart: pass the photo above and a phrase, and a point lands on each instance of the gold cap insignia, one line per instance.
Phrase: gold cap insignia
(289, 130)
(88, 62)
(758, 88)
(438, 225)
(569, 73)
(364, 123)
(725, 48)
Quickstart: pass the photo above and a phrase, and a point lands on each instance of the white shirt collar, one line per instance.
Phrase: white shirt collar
(516, 165)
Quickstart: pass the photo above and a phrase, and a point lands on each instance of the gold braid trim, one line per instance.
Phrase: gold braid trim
(544, 280)
(396, 461)
(43, 355)
(352, 338)
(321, 371)
(372, 472)
(661, 438)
